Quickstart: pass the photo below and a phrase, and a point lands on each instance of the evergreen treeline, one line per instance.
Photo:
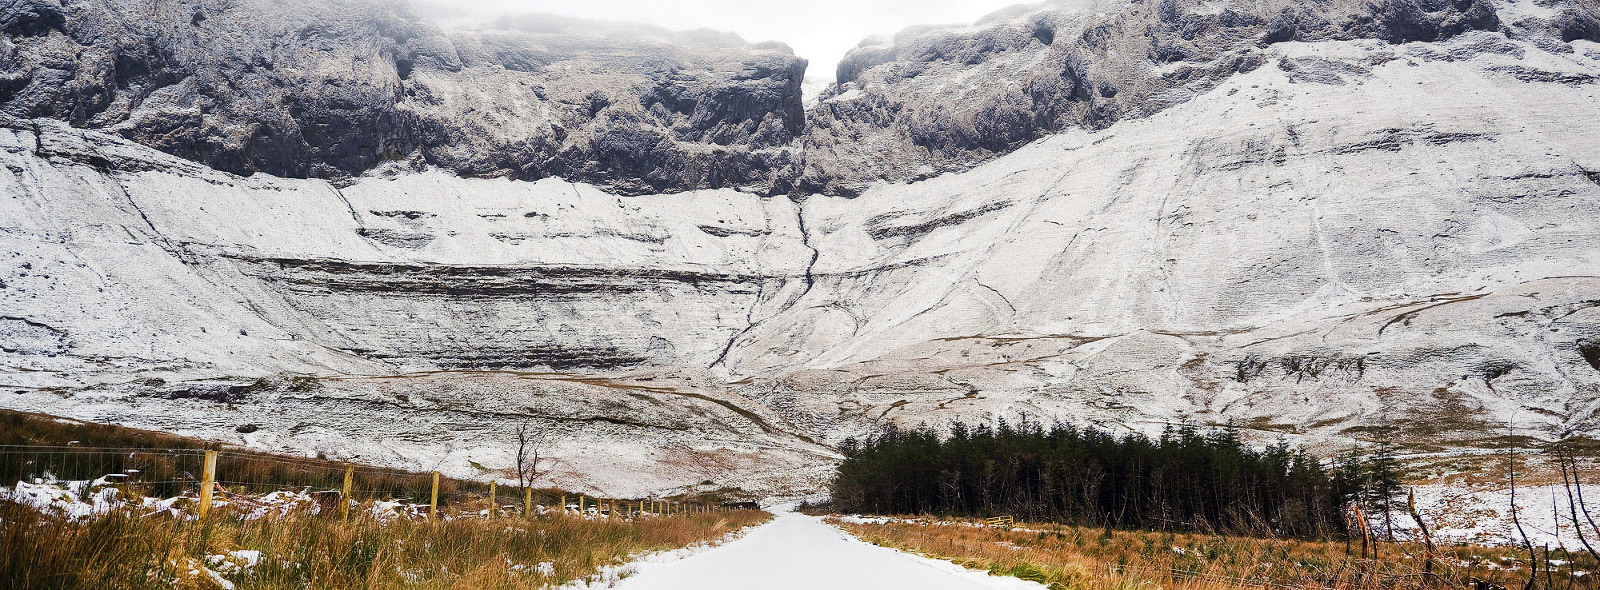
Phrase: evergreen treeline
(1186, 479)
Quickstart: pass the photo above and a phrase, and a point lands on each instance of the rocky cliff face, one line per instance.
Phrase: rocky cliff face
(1326, 223)
(1075, 64)
(329, 89)
(332, 89)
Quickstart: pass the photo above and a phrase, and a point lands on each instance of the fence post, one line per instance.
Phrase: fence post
(208, 480)
(433, 502)
(582, 499)
(563, 504)
(641, 508)
(527, 501)
(344, 493)
(494, 509)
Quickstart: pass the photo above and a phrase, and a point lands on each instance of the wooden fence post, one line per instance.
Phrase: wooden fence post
(344, 493)
(563, 504)
(208, 480)
(641, 508)
(433, 503)
(527, 501)
(494, 509)
(582, 499)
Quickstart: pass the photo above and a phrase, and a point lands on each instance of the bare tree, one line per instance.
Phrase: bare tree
(1566, 460)
(1511, 471)
(532, 444)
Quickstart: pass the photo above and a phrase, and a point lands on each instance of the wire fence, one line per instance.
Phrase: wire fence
(237, 476)
(156, 472)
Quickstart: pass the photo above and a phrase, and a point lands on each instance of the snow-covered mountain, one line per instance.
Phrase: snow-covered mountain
(333, 226)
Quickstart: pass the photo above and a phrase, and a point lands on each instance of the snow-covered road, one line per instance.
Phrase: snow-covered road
(800, 552)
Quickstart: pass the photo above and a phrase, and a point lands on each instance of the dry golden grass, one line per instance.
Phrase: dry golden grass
(1078, 558)
(126, 550)
(31, 444)
(132, 549)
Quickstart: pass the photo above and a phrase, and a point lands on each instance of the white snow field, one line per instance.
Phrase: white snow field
(801, 552)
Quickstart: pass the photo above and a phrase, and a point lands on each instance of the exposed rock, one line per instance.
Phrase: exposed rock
(899, 113)
(313, 88)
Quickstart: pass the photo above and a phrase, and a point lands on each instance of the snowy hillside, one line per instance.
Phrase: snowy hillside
(1355, 235)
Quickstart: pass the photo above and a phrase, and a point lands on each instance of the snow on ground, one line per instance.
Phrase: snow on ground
(78, 499)
(801, 552)
(608, 576)
(1458, 514)
(72, 499)
(1455, 514)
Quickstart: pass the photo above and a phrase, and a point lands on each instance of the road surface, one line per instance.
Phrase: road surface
(800, 552)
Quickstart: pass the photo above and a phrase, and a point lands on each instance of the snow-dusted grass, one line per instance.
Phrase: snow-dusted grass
(65, 523)
(1068, 557)
(130, 547)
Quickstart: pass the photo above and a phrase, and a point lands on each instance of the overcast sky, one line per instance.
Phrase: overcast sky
(818, 30)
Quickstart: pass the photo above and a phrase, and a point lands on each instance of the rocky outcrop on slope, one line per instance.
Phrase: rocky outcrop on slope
(897, 111)
(312, 88)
